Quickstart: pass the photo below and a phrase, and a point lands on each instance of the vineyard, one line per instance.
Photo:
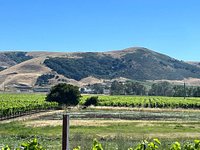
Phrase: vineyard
(115, 128)
(12, 105)
(146, 101)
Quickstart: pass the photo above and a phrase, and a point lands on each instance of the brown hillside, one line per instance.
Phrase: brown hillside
(24, 73)
(136, 63)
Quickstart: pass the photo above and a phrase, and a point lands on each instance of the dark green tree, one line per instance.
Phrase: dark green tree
(98, 88)
(197, 92)
(178, 91)
(161, 89)
(134, 88)
(64, 94)
(117, 88)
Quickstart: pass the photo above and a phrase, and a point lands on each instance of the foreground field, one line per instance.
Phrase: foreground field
(132, 119)
(114, 132)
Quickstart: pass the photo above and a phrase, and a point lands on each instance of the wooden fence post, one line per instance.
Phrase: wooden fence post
(65, 133)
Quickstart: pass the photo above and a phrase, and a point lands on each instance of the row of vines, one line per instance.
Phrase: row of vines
(17, 104)
(144, 145)
(12, 105)
(146, 101)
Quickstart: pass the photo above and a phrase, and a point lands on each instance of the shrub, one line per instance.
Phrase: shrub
(91, 101)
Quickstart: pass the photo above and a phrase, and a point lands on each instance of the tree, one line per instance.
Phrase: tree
(197, 92)
(162, 89)
(178, 91)
(134, 88)
(64, 94)
(117, 88)
(98, 88)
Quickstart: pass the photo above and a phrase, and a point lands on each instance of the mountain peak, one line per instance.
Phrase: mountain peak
(130, 49)
(121, 53)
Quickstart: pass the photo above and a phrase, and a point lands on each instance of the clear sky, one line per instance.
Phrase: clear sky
(171, 27)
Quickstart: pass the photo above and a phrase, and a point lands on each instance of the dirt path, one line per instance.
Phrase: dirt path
(32, 116)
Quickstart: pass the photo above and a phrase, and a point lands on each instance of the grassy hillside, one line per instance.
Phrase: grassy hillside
(132, 63)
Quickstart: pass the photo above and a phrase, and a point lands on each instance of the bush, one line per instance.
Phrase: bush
(64, 94)
(91, 101)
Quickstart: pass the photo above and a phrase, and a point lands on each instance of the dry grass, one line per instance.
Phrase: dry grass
(90, 80)
(188, 81)
(97, 122)
(25, 73)
(174, 135)
(143, 109)
(87, 123)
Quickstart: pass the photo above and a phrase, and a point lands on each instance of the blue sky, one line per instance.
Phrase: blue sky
(171, 27)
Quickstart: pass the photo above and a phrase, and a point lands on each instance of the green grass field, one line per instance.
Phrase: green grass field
(112, 133)
(115, 127)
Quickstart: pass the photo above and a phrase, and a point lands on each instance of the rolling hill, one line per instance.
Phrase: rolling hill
(81, 68)
(132, 63)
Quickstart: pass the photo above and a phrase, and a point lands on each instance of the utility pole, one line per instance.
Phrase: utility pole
(3, 87)
(184, 90)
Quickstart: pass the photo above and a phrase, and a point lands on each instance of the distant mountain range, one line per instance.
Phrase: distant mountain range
(81, 68)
